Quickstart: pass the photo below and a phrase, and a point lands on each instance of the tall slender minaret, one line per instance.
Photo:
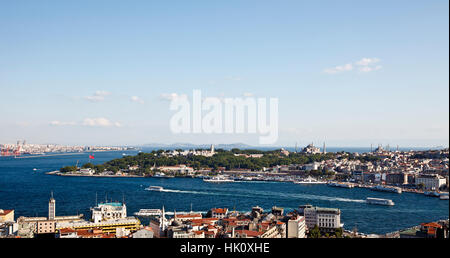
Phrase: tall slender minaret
(162, 220)
(324, 148)
(51, 208)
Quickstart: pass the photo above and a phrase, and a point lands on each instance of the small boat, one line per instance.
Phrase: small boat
(443, 196)
(309, 180)
(379, 201)
(162, 175)
(343, 185)
(387, 189)
(432, 194)
(218, 179)
(154, 188)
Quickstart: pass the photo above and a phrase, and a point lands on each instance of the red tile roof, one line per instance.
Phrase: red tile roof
(220, 210)
(67, 230)
(5, 212)
(248, 233)
(195, 215)
(432, 224)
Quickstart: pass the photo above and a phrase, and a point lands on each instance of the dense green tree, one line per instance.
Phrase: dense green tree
(68, 169)
(315, 232)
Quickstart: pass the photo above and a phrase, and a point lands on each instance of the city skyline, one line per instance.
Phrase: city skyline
(103, 73)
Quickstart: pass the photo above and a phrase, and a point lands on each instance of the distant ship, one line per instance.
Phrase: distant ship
(154, 188)
(432, 194)
(162, 175)
(443, 196)
(387, 189)
(309, 180)
(218, 179)
(379, 201)
(343, 185)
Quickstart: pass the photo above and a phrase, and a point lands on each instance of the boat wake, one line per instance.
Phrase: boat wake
(252, 194)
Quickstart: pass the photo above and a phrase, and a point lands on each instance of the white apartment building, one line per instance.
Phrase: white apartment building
(296, 227)
(219, 213)
(327, 219)
(108, 211)
(431, 182)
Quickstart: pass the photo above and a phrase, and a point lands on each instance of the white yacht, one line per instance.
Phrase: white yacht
(154, 188)
(387, 189)
(379, 201)
(309, 180)
(162, 175)
(218, 179)
(443, 196)
(343, 185)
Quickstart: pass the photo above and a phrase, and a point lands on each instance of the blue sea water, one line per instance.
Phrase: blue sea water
(27, 192)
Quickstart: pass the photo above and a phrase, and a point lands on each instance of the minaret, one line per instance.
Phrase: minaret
(212, 148)
(324, 149)
(162, 220)
(51, 208)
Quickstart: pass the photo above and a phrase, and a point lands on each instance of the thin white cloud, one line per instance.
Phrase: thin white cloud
(60, 123)
(364, 65)
(338, 69)
(171, 96)
(94, 122)
(100, 122)
(98, 96)
(367, 61)
(366, 69)
(137, 99)
(248, 94)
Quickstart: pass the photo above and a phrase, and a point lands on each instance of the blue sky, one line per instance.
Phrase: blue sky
(349, 73)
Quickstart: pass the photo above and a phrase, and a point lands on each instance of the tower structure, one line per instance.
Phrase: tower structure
(51, 208)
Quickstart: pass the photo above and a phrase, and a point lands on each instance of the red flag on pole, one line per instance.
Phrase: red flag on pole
(91, 157)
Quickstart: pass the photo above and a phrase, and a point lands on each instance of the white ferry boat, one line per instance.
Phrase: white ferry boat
(218, 179)
(379, 201)
(443, 196)
(309, 180)
(148, 212)
(386, 189)
(344, 185)
(154, 188)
